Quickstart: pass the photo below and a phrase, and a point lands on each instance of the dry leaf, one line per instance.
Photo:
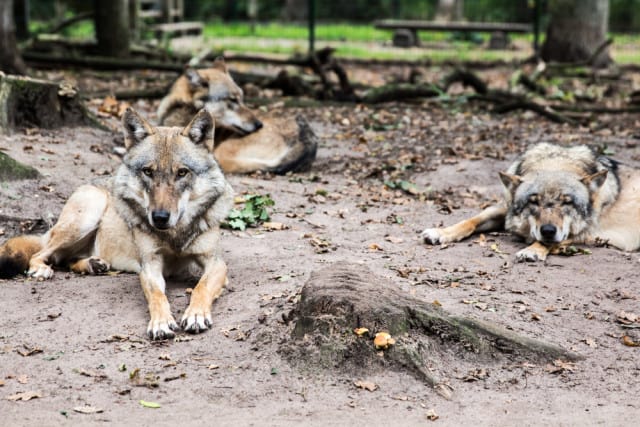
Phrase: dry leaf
(273, 226)
(212, 367)
(628, 341)
(88, 409)
(431, 415)
(536, 317)
(394, 240)
(22, 379)
(366, 385)
(559, 367)
(361, 331)
(626, 318)
(1, 383)
(375, 247)
(28, 351)
(27, 395)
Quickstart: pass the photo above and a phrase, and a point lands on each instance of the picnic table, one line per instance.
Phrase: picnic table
(406, 31)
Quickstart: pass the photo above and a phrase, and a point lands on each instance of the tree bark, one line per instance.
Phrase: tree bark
(112, 27)
(576, 30)
(10, 60)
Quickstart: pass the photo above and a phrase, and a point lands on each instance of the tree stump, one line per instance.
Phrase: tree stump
(27, 102)
(429, 342)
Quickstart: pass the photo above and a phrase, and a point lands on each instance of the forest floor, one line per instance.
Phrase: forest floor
(76, 344)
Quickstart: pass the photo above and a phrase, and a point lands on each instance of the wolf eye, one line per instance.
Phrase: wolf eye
(567, 200)
(182, 172)
(534, 199)
(147, 171)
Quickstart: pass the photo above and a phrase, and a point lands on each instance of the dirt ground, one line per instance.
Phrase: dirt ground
(78, 342)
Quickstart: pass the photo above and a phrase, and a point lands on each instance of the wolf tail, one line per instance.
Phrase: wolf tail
(303, 150)
(16, 253)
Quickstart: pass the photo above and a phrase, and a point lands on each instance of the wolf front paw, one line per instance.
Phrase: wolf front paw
(196, 320)
(40, 271)
(530, 255)
(434, 236)
(162, 329)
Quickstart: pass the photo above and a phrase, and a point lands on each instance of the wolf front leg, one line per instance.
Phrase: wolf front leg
(490, 219)
(197, 317)
(534, 252)
(162, 324)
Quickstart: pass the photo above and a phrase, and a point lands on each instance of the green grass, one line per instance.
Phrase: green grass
(355, 39)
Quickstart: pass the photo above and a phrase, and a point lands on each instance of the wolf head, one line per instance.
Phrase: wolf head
(169, 177)
(215, 90)
(551, 206)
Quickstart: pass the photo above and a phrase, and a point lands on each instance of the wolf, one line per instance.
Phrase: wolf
(556, 196)
(244, 143)
(158, 216)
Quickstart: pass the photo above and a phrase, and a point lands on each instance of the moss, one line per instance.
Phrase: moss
(12, 170)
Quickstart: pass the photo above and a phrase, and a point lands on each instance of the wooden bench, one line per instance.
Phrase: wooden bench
(178, 29)
(406, 31)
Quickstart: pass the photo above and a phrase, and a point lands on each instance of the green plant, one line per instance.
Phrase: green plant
(252, 214)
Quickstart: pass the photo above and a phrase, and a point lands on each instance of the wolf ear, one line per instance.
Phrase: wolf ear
(511, 182)
(200, 129)
(194, 78)
(136, 128)
(219, 64)
(595, 180)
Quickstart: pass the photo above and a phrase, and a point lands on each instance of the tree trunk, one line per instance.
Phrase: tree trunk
(449, 10)
(577, 28)
(112, 27)
(27, 102)
(295, 10)
(10, 60)
(342, 297)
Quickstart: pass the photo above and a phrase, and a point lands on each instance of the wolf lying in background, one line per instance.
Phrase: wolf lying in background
(243, 142)
(159, 216)
(556, 196)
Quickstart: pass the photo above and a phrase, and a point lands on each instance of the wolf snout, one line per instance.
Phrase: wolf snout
(548, 232)
(160, 219)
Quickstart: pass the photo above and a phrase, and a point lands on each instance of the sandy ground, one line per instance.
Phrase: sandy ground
(79, 341)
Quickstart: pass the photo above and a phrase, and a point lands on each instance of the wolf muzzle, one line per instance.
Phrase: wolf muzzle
(160, 219)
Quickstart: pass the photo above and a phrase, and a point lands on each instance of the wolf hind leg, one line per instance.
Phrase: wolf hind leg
(490, 219)
(78, 221)
(90, 265)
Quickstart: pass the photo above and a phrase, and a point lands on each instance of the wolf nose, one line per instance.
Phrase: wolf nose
(548, 231)
(160, 218)
(258, 124)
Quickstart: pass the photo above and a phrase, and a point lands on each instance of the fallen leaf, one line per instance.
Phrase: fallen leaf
(366, 385)
(375, 247)
(628, 341)
(27, 395)
(476, 375)
(29, 351)
(559, 367)
(22, 379)
(164, 356)
(394, 240)
(431, 415)
(212, 367)
(626, 318)
(153, 405)
(536, 317)
(274, 226)
(88, 409)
